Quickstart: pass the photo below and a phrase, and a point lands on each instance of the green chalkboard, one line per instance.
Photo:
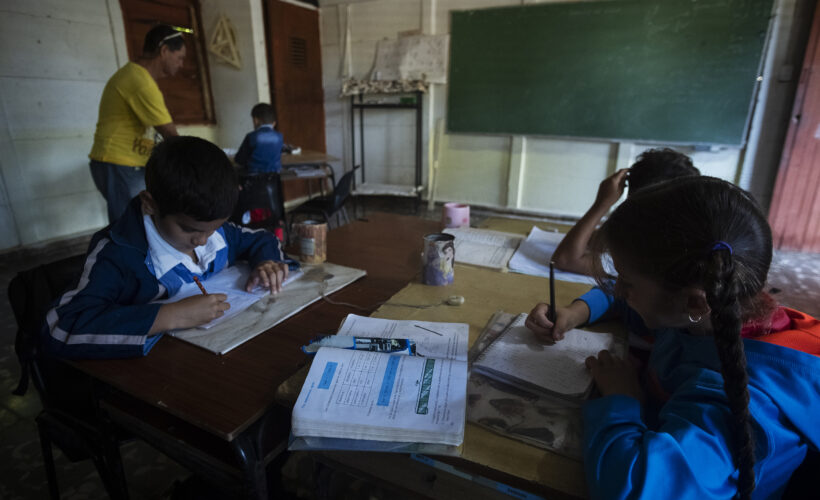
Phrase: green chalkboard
(669, 71)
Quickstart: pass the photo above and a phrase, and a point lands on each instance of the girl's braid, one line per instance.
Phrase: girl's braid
(722, 292)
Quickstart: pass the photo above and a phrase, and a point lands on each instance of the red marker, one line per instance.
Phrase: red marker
(196, 280)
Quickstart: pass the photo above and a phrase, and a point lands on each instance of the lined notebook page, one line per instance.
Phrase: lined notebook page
(558, 368)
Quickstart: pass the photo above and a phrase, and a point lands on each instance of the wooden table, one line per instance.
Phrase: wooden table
(487, 456)
(202, 408)
(315, 160)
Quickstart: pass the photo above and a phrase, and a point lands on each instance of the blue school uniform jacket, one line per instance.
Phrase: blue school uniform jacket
(109, 313)
(261, 151)
(682, 447)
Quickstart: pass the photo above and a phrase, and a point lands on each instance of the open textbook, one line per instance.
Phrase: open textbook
(356, 396)
(534, 254)
(483, 247)
(518, 358)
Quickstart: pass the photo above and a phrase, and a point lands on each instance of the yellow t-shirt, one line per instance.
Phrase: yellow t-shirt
(131, 102)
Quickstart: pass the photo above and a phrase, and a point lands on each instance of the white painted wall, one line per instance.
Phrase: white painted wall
(55, 58)
(535, 174)
(56, 55)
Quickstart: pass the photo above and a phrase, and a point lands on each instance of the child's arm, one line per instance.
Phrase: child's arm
(688, 452)
(189, 312)
(572, 254)
(108, 315)
(253, 245)
(566, 318)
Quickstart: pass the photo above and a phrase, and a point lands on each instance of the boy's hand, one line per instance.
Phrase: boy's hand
(269, 274)
(611, 189)
(190, 312)
(614, 375)
(566, 318)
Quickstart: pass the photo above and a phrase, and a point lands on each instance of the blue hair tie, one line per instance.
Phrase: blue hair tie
(722, 245)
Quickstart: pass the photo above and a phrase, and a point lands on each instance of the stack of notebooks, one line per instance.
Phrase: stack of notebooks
(529, 391)
(382, 401)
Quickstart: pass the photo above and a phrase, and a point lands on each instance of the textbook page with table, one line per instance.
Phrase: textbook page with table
(483, 247)
(358, 399)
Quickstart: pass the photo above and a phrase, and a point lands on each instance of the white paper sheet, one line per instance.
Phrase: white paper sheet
(534, 254)
(485, 248)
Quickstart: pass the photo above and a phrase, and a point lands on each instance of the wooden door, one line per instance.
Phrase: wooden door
(795, 210)
(295, 65)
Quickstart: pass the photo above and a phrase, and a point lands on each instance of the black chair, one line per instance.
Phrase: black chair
(329, 205)
(70, 418)
(261, 191)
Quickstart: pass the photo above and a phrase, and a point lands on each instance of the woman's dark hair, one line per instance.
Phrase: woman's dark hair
(160, 35)
(659, 165)
(705, 232)
(191, 176)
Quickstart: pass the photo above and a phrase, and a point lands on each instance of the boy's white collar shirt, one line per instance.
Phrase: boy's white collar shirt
(164, 257)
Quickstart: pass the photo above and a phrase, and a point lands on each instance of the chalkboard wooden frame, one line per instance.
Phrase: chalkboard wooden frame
(663, 71)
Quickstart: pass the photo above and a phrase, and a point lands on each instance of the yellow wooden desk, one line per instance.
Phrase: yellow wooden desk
(490, 455)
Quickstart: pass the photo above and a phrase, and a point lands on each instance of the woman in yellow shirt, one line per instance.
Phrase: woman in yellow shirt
(132, 103)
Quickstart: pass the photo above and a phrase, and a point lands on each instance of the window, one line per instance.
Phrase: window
(188, 93)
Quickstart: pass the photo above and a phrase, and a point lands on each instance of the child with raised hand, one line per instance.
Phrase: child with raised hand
(173, 233)
(651, 167)
(728, 411)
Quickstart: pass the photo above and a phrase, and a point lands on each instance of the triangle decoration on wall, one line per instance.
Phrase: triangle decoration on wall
(223, 42)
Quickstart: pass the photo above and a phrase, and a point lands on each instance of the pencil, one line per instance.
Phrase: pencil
(202, 288)
(551, 310)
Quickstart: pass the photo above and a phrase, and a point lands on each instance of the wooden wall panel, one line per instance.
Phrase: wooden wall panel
(795, 209)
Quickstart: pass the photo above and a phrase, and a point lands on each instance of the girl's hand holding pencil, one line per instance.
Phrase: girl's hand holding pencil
(567, 318)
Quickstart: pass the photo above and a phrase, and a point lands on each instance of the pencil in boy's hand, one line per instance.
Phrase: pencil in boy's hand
(201, 288)
(551, 310)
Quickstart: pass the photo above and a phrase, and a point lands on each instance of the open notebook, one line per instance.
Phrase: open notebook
(518, 358)
(231, 281)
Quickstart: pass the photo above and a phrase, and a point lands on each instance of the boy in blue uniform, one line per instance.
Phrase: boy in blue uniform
(170, 234)
(261, 151)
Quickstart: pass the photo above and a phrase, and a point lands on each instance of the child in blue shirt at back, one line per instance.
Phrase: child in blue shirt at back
(261, 151)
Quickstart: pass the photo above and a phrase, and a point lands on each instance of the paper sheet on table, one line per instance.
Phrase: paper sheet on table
(230, 281)
(534, 254)
(433, 339)
(270, 310)
(483, 247)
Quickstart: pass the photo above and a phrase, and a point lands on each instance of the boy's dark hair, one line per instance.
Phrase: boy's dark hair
(704, 232)
(160, 35)
(191, 176)
(264, 112)
(659, 165)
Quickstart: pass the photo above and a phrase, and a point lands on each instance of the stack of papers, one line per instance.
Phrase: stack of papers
(485, 248)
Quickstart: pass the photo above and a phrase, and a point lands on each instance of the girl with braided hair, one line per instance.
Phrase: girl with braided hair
(724, 411)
